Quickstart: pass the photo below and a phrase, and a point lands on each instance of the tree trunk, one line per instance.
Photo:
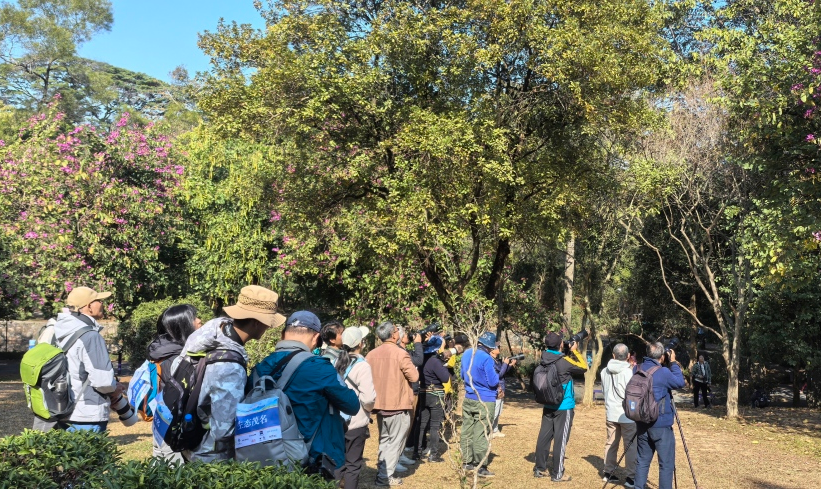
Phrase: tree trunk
(592, 370)
(733, 366)
(693, 333)
(569, 272)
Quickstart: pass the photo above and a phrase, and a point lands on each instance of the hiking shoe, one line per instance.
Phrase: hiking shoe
(483, 472)
(400, 468)
(539, 474)
(628, 482)
(436, 459)
(406, 460)
(564, 478)
(498, 434)
(609, 478)
(392, 481)
(426, 452)
(468, 467)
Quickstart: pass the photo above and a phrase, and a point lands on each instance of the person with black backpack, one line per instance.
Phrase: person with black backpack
(657, 436)
(553, 385)
(202, 387)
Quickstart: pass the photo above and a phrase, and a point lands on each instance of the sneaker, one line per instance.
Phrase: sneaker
(392, 481)
(406, 460)
(468, 467)
(400, 468)
(609, 478)
(628, 482)
(483, 472)
(436, 459)
(564, 478)
(498, 434)
(408, 450)
(539, 474)
(426, 452)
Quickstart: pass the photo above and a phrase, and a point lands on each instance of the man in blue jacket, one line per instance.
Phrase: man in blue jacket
(558, 419)
(315, 390)
(658, 437)
(481, 383)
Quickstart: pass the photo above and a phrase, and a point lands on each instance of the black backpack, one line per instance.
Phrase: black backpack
(639, 401)
(546, 384)
(181, 393)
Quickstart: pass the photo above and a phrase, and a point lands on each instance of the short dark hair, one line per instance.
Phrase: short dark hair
(330, 330)
(177, 322)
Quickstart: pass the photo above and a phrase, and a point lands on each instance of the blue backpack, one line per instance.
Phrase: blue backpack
(143, 389)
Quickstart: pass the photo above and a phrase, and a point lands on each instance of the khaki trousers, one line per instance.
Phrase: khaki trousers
(625, 432)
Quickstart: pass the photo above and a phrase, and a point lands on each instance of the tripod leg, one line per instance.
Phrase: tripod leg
(684, 443)
(622, 456)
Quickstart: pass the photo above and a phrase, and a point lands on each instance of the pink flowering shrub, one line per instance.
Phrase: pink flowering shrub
(83, 207)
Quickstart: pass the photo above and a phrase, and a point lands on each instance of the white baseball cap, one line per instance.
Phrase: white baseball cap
(353, 336)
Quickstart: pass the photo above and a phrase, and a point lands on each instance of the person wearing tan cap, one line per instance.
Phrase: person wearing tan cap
(223, 384)
(92, 375)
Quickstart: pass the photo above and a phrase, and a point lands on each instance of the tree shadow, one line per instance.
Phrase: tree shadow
(760, 484)
(595, 461)
(130, 438)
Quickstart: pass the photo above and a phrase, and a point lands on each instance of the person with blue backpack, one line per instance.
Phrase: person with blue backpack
(357, 374)
(557, 414)
(658, 436)
(174, 326)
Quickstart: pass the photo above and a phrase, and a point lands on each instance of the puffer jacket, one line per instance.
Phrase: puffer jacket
(223, 387)
(162, 347)
(87, 360)
(614, 379)
(360, 379)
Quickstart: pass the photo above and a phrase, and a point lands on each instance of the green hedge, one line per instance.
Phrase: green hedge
(135, 333)
(58, 459)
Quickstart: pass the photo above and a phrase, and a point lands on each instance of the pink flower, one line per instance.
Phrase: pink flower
(810, 137)
(30, 235)
(817, 235)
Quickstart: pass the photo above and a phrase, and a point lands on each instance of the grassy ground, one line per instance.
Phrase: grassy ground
(776, 448)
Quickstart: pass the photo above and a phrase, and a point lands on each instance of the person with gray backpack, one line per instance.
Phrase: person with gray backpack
(310, 385)
(654, 436)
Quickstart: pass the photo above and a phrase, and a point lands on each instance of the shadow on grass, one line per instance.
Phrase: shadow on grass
(595, 461)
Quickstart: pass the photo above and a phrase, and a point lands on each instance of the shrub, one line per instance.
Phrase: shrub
(58, 459)
(136, 333)
(258, 350)
(55, 459)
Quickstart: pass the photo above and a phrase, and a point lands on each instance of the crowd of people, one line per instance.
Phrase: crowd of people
(405, 384)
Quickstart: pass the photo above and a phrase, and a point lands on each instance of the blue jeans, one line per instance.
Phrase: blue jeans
(72, 427)
(650, 441)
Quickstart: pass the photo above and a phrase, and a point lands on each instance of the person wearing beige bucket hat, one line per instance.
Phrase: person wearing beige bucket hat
(223, 384)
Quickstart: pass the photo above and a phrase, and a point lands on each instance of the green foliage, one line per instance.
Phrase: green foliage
(135, 334)
(59, 459)
(80, 206)
(55, 459)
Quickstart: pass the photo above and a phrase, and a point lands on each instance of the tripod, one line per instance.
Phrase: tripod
(683, 442)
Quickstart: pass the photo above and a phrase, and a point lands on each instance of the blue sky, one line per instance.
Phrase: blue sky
(154, 37)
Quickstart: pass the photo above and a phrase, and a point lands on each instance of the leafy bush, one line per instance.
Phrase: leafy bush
(58, 459)
(258, 350)
(222, 475)
(137, 332)
(55, 459)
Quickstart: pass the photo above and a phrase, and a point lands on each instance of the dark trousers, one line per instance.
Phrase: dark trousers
(432, 413)
(555, 427)
(700, 387)
(651, 440)
(354, 448)
(413, 435)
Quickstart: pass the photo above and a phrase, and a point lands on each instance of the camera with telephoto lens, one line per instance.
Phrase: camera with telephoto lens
(433, 328)
(126, 413)
(576, 338)
(518, 358)
(671, 344)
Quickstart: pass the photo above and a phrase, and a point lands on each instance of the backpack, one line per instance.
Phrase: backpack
(640, 403)
(180, 397)
(143, 389)
(266, 430)
(46, 379)
(546, 384)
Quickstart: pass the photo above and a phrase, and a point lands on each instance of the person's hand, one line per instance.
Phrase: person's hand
(428, 335)
(574, 346)
(672, 355)
(508, 360)
(417, 338)
(118, 390)
(513, 362)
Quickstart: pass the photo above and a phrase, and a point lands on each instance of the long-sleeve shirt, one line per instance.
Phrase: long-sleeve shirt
(480, 378)
(435, 374)
(664, 381)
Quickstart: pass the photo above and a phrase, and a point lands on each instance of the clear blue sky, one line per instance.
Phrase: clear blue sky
(154, 37)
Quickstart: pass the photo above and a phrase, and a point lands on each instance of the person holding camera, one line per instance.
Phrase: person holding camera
(89, 365)
(557, 419)
(702, 376)
(658, 436)
(502, 368)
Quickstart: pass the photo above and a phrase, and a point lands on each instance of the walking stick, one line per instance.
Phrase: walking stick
(622, 457)
(683, 442)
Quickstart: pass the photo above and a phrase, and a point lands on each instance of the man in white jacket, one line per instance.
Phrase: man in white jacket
(614, 379)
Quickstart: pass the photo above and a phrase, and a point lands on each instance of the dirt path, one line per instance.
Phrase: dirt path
(775, 449)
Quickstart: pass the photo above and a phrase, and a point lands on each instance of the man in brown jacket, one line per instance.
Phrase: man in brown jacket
(393, 372)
